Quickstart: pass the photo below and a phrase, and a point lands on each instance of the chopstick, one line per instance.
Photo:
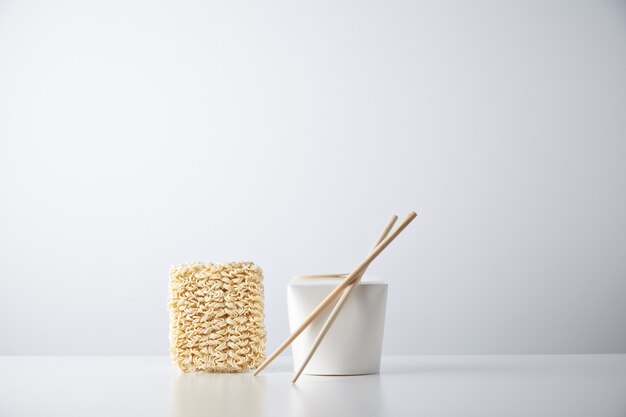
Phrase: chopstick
(338, 290)
(339, 306)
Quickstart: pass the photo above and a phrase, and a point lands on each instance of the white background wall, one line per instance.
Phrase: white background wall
(135, 135)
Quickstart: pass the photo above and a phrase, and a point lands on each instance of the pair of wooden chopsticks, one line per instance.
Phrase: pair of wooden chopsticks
(382, 242)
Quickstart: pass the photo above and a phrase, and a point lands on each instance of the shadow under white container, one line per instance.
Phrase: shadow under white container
(353, 345)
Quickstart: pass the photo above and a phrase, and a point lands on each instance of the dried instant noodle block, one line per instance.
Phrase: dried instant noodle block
(216, 316)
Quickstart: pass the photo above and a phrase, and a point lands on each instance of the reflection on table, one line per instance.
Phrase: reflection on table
(226, 395)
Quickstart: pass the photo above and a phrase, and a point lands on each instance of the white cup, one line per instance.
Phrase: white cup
(353, 345)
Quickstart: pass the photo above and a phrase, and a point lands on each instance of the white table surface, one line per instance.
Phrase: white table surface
(540, 385)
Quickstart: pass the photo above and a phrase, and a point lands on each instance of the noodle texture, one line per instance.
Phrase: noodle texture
(216, 316)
